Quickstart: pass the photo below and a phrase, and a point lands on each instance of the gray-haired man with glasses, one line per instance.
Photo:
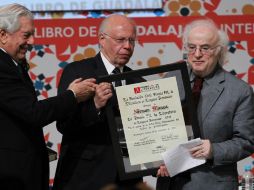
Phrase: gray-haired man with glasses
(225, 114)
(86, 159)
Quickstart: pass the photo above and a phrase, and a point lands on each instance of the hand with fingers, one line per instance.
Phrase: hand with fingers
(162, 171)
(203, 150)
(102, 93)
(83, 89)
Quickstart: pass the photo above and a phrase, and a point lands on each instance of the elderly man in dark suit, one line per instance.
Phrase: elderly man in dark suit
(225, 113)
(23, 154)
(86, 159)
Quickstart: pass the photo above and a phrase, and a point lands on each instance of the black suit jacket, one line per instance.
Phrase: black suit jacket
(23, 154)
(86, 159)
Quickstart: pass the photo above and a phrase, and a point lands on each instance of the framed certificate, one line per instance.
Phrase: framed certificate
(148, 117)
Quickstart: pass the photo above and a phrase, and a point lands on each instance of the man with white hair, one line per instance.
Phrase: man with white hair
(225, 113)
(24, 163)
(86, 160)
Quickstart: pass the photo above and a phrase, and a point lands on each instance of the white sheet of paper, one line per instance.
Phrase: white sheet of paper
(179, 158)
(152, 118)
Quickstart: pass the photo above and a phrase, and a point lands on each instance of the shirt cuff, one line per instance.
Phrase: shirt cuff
(73, 93)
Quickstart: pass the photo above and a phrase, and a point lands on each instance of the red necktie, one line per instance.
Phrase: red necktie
(195, 95)
(196, 90)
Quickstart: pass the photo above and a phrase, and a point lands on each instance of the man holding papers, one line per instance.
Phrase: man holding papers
(225, 113)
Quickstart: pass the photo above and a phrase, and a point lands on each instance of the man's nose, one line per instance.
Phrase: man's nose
(127, 44)
(30, 40)
(198, 52)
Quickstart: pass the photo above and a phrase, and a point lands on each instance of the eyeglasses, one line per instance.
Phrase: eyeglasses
(122, 41)
(204, 49)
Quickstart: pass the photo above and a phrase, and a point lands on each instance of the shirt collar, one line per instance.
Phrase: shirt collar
(109, 67)
(192, 76)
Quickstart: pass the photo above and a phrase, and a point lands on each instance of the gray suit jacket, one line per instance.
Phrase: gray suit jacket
(226, 118)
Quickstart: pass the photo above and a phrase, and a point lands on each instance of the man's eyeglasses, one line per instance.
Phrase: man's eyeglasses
(204, 49)
(122, 41)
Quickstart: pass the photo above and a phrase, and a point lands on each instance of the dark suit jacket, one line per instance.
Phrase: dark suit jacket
(226, 118)
(86, 159)
(23, 154)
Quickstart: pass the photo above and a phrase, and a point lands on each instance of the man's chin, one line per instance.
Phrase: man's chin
(198, 68)
(123, 61)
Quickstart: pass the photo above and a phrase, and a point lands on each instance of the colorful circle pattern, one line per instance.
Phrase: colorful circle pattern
(183, 8)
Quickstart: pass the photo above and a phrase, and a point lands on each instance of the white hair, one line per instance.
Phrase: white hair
(10, 14)
(222, 36)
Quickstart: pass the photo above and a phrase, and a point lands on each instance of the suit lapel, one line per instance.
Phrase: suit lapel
(211, 93)
(100, 69)
(7, 60)
(24, 76)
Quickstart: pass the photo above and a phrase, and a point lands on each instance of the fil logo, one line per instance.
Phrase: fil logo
(146, 88)
(137, 90)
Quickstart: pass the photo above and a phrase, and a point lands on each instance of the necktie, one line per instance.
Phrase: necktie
(195, 95)
(117, 71)
(23, 68)
(120, 130)
(196, 90)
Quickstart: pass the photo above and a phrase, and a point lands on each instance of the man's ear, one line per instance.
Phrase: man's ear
(3, 36)
(101, 36)
(101, 39)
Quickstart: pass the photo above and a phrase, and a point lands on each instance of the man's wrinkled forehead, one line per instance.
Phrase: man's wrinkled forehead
(208, 35)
